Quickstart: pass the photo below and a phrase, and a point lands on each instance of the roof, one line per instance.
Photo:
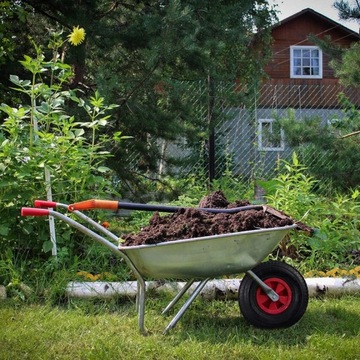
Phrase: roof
(323, 18)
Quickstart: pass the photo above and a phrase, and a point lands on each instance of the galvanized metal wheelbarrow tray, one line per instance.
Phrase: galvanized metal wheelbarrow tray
(192, 259)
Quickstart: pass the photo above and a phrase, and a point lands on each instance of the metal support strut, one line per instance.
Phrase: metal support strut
(188, 302)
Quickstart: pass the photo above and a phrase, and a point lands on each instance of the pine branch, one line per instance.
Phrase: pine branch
(351, 134)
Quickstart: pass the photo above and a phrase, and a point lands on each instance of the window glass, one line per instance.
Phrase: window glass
(315, 53)
(315, 62)
(306, 61)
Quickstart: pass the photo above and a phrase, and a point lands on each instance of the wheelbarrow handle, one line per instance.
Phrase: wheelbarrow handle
(95, 204)
(25, 211)
(115, 205)
(45, 204)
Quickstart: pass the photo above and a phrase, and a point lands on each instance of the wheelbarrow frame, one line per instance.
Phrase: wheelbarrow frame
(130, 256)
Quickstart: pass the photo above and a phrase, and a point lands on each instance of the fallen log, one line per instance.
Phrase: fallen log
(225, 289)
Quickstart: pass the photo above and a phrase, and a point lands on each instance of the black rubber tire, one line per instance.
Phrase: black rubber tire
(259, 310)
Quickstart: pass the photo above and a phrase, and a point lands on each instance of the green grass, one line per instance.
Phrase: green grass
(209, 330)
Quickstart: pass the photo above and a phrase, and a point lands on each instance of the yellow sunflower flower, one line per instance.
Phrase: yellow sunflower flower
(77, 36)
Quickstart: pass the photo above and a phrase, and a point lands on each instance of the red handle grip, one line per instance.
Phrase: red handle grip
(34, 212)
(44, 204)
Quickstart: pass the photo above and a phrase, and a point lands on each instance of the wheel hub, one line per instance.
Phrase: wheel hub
(269, 306)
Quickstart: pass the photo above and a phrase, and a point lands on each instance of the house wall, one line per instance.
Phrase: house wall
(238, 138)
(312, 93)
(295, 32)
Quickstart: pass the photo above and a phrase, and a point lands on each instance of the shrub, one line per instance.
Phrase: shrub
(44, 149)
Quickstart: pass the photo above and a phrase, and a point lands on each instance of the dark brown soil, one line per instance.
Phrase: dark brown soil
(192, 223)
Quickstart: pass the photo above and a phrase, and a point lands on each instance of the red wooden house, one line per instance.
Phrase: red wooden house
(301, 65)
(300, 76)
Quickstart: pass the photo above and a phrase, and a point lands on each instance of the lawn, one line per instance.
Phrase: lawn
(330, 329)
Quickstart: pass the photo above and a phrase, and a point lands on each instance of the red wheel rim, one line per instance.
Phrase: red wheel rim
(274, 307)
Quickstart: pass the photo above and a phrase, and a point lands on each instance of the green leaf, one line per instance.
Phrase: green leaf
(103, 122)
(44, 107)
(4, 230)
(14, 79)
(79, 132)
(103, 169)
(47, 246)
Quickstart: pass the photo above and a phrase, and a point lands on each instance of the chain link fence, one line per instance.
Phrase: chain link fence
(243, 140)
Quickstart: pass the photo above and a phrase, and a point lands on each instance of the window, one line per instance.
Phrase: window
(270, 136)
(305, 62)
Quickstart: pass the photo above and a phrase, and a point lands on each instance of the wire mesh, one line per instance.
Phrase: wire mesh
(238, 121)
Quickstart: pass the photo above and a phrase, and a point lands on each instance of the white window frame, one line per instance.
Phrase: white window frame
(263, 144)
(293, 75)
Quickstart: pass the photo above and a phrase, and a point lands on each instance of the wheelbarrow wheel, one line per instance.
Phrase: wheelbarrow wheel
(259, 310)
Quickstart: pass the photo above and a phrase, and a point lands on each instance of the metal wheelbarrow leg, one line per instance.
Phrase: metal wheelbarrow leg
(178, 296)
(188, 302)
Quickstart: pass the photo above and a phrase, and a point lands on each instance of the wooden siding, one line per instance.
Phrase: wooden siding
(313, 95)
(295, 31)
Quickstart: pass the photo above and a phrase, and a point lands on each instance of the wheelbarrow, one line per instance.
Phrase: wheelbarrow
(272, 294)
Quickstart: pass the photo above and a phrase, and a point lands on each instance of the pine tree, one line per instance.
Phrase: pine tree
(346, 11)
(348, 68)
(140, 54)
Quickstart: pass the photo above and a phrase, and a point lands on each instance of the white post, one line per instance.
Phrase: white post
(51, 218)
(48, 190)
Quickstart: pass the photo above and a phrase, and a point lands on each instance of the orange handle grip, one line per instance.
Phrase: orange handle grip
(34, 212)
(95, 204)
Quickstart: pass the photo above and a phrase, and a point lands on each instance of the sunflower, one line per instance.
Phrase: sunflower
(77, 36)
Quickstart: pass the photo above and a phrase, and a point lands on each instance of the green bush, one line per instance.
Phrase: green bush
(329, 150)
(43, 148)
(335, 220)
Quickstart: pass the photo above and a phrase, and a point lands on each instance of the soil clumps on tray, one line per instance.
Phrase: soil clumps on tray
(189, 223)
